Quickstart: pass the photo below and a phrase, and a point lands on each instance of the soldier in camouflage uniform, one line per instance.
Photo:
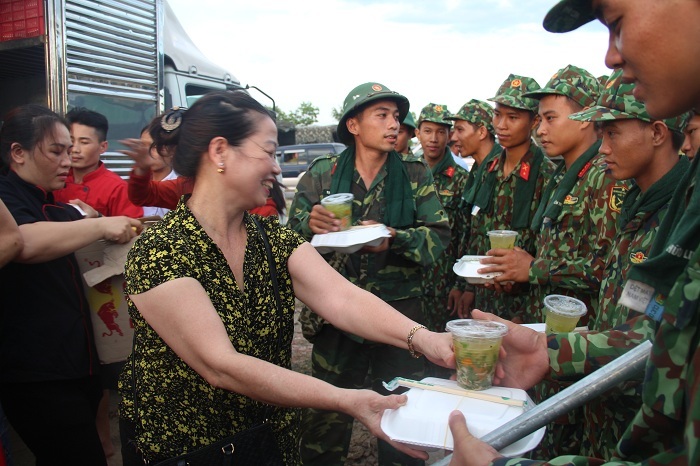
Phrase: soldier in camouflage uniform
(508, 192)
(406, 132)
(441, 290)
(647, 153)
(575, 225)
(660, 50)
(391, 189)
(692, 135)
(473, 128)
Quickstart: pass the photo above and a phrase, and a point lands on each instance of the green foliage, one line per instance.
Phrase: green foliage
(306, 114)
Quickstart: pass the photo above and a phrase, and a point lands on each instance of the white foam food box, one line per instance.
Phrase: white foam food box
(467, 267)
(423, 422)
(351, 240)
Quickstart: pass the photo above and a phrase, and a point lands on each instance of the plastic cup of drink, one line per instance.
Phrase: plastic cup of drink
(341, 206)
(477, 343)
(563, 313)
(502, 239)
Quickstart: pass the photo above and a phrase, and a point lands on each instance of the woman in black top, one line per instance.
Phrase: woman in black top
(48, 363)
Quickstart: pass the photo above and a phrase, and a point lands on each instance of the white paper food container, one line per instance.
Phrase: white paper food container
(468, 265)
(423, 421)
(350, 240)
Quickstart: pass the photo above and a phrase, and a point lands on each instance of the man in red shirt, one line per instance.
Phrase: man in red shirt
(89, 180)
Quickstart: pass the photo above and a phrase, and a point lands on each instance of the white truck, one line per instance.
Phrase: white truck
(127, 59)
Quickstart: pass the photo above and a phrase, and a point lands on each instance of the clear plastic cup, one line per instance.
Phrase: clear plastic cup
(563, 313)
(502, 239)
(341, 206)
(476, 343)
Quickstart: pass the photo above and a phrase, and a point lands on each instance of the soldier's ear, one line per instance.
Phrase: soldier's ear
(659, 132)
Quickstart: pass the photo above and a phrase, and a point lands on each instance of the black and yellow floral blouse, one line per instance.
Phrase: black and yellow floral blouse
(178, 411)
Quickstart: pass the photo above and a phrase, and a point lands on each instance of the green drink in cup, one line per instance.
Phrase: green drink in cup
(502, 239)
(563, 313)
(477, 343)
(341, 206)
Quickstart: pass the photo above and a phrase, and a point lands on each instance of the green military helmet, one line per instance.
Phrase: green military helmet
(617, 102)
(573, 82)
(477, 112)
(436, 113)
(568, 15)
(363, 95)
(409, 121)
(511, 93)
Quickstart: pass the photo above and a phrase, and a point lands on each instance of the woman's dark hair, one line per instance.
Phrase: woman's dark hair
(26, 125)
(277, 195)
(218, 114)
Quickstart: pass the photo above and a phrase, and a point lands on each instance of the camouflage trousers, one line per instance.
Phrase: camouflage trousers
(347, 363)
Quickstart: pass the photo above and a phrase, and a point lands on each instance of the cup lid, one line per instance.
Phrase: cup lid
(474, 328)
(502, 233)
(340, 198)
(565, 305)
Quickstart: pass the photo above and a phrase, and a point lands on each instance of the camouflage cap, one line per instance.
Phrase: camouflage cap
(617, 102)
(435, 113)
(511, 93)
(409, 121)
(573, 82)
(476, 112)
(362, 95)
(568, 15)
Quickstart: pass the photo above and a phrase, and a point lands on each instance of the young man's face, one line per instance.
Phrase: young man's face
(656, 44)
(376, 127)
(433, 138)
(467, 136)
(87, 148)
(405, 134)
(692, 137)
(558, 134)
(628, 149)
(512, 125)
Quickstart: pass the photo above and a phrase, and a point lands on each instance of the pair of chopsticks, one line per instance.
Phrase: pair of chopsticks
(401, 382)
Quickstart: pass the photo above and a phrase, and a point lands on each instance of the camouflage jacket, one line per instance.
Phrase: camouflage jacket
(438, 278)
(666, 429)
(396, 273)
(572, 249)
(506, 305)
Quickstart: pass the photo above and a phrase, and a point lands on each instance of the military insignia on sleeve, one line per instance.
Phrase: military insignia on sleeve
(525, 171)
(515, 83)
(617, 196)
(637, 257)
(446, 192)
(570, 200)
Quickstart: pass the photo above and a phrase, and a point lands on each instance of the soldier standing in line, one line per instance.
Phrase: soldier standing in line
(442, 292)
(406, 132)
(655, 44)
(388, 188)
(473, 128)
(508, 192)
(692, 136)
(645, 150)
(574, 224)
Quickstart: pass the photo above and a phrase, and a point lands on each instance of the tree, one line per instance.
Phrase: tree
(306, 114)
(337, 112)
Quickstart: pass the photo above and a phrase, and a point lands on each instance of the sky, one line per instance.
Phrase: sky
(440, 51)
